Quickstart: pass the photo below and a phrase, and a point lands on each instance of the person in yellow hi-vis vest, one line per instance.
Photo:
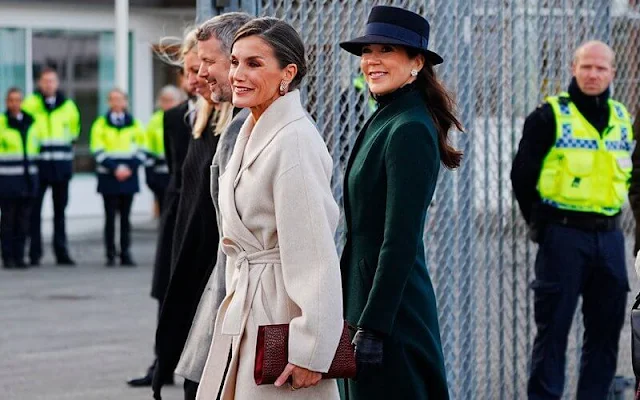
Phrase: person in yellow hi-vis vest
(117, 143)
(571, 177)
(19, 148)
(156, 168)
(60, 121)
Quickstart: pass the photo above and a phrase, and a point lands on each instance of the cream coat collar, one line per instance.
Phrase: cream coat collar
(279, 114)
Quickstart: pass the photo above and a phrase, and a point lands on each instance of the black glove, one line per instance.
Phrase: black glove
(369, 350)
(537, 224)
(536, 233)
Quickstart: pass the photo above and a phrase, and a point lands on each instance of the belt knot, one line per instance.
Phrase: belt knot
(240, 303)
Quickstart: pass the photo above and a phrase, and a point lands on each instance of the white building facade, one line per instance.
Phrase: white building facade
(77, 38)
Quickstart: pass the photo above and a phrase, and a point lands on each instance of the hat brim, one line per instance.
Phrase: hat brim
(354, 46)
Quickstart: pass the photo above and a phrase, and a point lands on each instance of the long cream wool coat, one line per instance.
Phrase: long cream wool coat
(278, 219)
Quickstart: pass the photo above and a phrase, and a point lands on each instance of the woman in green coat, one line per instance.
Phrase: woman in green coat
(389, 182)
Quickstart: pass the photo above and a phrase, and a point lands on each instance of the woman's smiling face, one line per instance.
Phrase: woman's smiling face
(387, 68)
(255, 73)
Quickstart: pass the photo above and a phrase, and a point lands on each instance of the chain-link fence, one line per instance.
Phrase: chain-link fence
(502, 57)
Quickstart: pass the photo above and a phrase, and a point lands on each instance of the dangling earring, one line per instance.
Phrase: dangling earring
(283, 88)
(414, 72)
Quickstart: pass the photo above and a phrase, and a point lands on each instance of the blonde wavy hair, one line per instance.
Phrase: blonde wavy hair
(203, 109)
(172, 49)
(222, 114)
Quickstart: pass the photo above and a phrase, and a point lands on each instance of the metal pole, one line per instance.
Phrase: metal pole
(28, 60)
(122, 44)
(466, 198)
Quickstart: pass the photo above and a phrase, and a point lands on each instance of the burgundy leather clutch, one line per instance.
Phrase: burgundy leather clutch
(272, 355)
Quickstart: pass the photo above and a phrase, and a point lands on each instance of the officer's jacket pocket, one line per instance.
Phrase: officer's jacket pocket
(581, 166)
(577, 180)
(546, 299)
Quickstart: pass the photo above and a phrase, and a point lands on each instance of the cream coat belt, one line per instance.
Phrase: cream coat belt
(249, 267)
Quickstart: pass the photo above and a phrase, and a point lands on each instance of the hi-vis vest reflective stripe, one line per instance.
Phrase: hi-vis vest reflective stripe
(584, 171)
(60, 127)
(111, 145)
(13, 150)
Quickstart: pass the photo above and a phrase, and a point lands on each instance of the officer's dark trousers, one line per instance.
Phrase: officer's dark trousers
(570, 263)
(117, 204)
(60, 196)
(14, 226)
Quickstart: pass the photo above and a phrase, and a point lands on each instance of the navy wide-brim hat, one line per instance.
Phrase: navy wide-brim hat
(393, 25)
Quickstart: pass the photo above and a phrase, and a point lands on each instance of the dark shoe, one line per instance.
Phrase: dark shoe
(21, 264)
(65, 261)
(141, 381)
(110, 262)
(146, 380)
(34, 263)
(8, 264)
(127, 262)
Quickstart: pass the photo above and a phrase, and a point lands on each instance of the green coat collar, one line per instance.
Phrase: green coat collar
(405, 103)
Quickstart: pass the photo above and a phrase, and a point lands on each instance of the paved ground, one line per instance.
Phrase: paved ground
(78, 333)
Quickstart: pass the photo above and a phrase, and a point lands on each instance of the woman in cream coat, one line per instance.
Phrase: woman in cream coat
(278, 221)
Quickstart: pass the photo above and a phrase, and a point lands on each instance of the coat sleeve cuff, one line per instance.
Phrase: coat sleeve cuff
(315, 351)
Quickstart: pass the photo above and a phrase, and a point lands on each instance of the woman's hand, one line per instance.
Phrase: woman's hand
(301, 377)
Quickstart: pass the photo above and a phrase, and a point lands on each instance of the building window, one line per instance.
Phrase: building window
(85, 62)
(12, 60)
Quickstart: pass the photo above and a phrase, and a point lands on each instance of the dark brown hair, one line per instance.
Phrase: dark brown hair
(283, 39)
(13, 90)
(442, 108)
(47, 70)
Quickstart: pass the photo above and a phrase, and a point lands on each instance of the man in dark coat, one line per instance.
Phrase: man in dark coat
(177, 133)
(176, 139)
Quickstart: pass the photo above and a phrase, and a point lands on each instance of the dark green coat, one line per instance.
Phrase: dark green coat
(389, 182)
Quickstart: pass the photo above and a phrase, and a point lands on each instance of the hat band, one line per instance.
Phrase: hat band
(397, 32)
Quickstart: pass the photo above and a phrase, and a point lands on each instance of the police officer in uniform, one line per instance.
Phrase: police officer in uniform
(570, 178)
(60, 121)
(117, 143)
(19, 147)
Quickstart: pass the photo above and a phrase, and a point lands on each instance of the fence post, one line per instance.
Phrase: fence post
(466, 195)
